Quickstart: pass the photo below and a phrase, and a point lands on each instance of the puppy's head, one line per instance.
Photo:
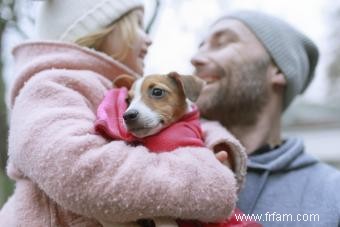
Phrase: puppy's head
(156, 101)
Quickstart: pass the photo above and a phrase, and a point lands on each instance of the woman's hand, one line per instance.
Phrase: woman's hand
(221, 153)
(223, 157)
(219, 139)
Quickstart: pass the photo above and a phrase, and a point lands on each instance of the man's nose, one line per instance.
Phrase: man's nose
(198, 60)
(130, 116)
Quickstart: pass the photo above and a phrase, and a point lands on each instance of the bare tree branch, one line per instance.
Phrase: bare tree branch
(154, 16)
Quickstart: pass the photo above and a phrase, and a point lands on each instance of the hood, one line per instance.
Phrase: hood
(290, 155)
(34, 57)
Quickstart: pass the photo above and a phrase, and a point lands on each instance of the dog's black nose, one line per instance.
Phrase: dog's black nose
(131, 115)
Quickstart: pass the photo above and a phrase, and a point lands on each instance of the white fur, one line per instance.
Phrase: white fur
(147, 116)
(189, 105)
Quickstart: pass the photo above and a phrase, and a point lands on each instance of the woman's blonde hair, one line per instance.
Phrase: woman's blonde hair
(125, 29)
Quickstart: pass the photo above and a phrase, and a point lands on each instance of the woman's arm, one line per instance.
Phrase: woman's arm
(218, 139)
(52, 143)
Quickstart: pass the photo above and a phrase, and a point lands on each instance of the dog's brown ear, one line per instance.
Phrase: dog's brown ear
(124, 80)
(191, 85)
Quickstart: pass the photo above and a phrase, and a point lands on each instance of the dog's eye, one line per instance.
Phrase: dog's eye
(127, 100)
(157, 92)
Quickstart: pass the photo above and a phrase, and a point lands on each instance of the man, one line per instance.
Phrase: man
(255, 65)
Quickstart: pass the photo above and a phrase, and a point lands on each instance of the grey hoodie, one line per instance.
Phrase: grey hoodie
(287, 187)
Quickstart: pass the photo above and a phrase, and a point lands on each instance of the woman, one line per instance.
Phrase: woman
(66, 175)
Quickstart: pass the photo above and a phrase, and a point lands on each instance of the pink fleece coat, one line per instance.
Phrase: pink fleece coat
(66, 175)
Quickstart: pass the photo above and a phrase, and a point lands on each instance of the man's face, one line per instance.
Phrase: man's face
(234, 64)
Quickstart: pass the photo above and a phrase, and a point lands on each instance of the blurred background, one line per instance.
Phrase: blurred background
(176, 32)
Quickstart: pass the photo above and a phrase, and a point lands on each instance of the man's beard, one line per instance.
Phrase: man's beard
(240, 97)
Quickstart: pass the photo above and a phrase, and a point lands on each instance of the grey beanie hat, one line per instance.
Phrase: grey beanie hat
(294, 53)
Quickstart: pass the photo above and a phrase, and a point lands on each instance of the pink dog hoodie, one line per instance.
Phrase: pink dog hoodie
(185, 132)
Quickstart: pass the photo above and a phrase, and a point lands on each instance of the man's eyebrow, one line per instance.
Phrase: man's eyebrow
(225, 31)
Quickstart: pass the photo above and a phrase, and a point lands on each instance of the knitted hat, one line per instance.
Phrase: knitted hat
(294, 53)
(69, 20)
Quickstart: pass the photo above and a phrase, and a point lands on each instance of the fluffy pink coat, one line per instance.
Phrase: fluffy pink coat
(66, 175)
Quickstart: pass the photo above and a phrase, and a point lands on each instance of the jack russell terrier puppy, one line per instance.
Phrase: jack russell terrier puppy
(157, 101)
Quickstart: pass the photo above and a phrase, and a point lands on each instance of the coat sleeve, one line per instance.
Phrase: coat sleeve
(52, 143)
(217, 138)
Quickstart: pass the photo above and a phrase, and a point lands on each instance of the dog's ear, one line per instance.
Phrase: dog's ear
(124, 80)
(191, 85)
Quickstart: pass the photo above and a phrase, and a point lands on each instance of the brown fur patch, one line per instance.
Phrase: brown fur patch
(124, 80)
(172, 106)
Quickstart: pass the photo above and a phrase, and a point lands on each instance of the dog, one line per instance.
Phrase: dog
(157, 101)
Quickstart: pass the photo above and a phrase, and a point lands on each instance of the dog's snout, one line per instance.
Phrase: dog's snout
(130, 115)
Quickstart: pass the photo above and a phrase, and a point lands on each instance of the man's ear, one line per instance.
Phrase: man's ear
(191, 85)
(278, 79)
(124, 80)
